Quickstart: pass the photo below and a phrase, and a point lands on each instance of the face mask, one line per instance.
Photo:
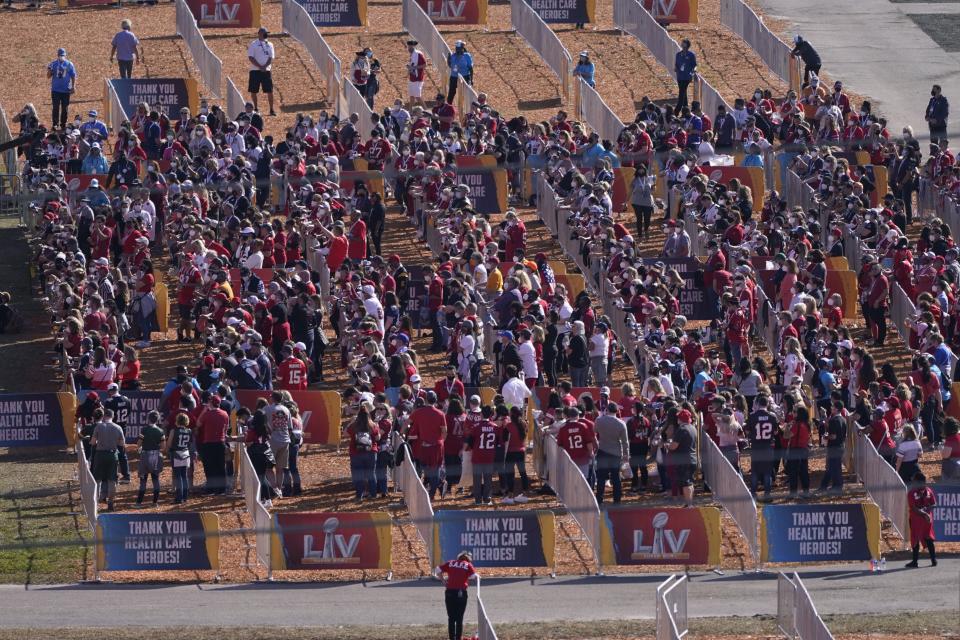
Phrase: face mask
(204, 110)
(932, 93)
(170, 139)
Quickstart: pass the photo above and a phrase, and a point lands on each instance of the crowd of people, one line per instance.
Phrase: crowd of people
(277, 259)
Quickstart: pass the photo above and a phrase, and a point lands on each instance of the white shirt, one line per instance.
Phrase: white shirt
(515, 392)
(262, 52)
(599, 345)
(374, 309)
(480, 276)
(528, 359)
(254, 260)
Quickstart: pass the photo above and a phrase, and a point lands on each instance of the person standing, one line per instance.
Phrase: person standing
(126, 49)
(261, 56)
(483, 439)
(457, 572)
(149, 444)
(682, 449)
(811, 59)
(761, 428)
(178, 449)
(461, 65)
(684, 67)
(121, 406)
(428, 427)
(938, 110)
(836, 439)
(641, 199)
(585, 69)
(922, 500)
(796, 440)
(280, 425)
(416, 72)
(212, 426)
(613, 450)
(360, 72)
(63, 82)
(107, 437)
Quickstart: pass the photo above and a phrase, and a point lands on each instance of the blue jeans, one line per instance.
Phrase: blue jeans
(362, 470)
(181, 487)
(578, 376)
(291, 475)
(383, 463)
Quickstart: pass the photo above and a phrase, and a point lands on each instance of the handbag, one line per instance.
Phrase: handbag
(262, 449)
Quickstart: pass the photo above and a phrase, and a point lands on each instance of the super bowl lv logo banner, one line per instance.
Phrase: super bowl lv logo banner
(505, 539)
(332, 541)
(36, 419)
(158, 541)
(455, 11)
(667, 11)
(319, 412)
(819, 532)
(661, 536)
(330, 13)
(564, 11)
(225, 14)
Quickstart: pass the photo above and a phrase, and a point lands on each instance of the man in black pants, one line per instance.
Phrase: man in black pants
(63, 82)
(811, 59)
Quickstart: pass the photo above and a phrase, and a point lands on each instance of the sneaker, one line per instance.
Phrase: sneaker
(488, 503)
(521, 499)
(138, 505)
(272, 112)
(124, 481)
(933, 563)
(507, 500)
(912, 565)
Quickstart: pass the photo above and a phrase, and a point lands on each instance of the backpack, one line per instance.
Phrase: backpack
(363, 440)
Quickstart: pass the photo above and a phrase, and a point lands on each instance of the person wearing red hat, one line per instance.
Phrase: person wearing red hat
(683, 454)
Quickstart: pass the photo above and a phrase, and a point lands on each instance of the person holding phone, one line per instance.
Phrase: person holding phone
(63, 82)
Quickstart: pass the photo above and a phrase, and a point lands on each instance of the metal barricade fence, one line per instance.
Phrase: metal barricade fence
(8, 160)
(210, 66)
(901, 309)
(356, 103)
(786, 607)
(671, 609)
(88, 488)
(883, 485)
(262, 522)
(927, 196)
(485, 630)
(543, 40)
(796, 610)
(116, 114)
(775, 53)
(595, 112)
(631, 16)
(710, 99)
(729, 489)
(417, 499)
(297, 22)
(235, 100)
(466, 97)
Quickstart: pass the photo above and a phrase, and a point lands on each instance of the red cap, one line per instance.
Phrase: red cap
(92, 395)
(215, 401)
(394, 258)
(709, 385)
(208, 360)
(685, 417)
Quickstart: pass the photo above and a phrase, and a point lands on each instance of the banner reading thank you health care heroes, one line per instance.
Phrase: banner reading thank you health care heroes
(819, 532)
(946, 515)
(323, 541)
(165, 95)
(565, 11)
(36, 419)
(504, 539)
(158, 542)
(661, 536)
(324, 13)
(487, 183)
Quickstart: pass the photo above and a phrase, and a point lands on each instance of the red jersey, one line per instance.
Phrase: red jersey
(575, 438)
(212, 426)
(426, 427)
(358, 241)
(338, 252)
(189, 281)
(485, 437)
(458, 573)
(293, 374)
(444, 389)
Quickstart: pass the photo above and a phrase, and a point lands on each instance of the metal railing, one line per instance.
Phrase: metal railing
(235, 100)
(417, 499)
(883, 484)
(210, 66)
(485, 630)
(543, 40)
(797, 616)
(355, 103)
(297, 22)
(737, 16)
(262, 522)
(116, 113)
(89, 489)
(600, 117)
(730, 490)
(901, 309)
(672, 608)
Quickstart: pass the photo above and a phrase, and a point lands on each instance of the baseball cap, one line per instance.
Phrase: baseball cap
(368, 289)
(95, 183)
(113, 386)
(61, 51)
(415, 377)
(208, 360)
(685, 417)
(92, 112)
(505, 334)
(300, 346)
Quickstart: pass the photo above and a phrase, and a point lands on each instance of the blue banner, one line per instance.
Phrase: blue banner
(165, 95)
(946, 515)
(504, 539)
(819, 532)
(158, 541)
(133, 416)
(36, 419)
(334, 13)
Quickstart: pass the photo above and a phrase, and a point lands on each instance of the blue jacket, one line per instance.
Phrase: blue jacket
(586, 71)
(685, 65)
(95, 164)
(461, 64)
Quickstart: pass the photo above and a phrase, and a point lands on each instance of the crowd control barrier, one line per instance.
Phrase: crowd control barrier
(356, 103)
(729, 489)
(737, 16)
(88, 487)
(297, 22)
(417, 499)
(210, 66)
(543, 40)
(600, 117)
(235, 100)
(797, 616)
(672, 608)
(258, 513)
(883, 484)
(485, 630)
(8, 159)
(115, 111)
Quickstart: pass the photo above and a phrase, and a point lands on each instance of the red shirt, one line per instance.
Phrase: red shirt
(358, 241)
(458, 573)
(338, 252)
(485, 437)
(444, 389)
(293, 374)
(426, 427)
(575, 437)
(212, 425)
